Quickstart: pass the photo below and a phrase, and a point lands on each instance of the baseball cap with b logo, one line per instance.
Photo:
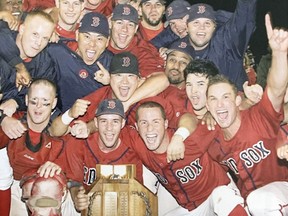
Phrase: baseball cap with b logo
(125, 12)
(201, 11)
(94, 22)
(110, 106)
(124, 62)
(177, 9)
(181, 46)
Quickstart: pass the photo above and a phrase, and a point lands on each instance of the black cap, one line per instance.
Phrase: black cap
(124, 62)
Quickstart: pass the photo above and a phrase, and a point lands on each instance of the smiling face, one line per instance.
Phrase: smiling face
(152, 12)
(223, 104)
(91, 46)
(40, 101)
(152, 128)
(124, 85)
(179, 26)
(200, 32)
(122, 33)
(14, 6)
(34, 35)
(196, 87)
(109, 127)
(69, 12)
(175, 64)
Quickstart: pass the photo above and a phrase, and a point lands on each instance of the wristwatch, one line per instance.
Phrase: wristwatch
(2, 116)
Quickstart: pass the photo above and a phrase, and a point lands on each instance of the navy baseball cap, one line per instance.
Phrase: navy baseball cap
(181, 46)
(110, 106)
(95, 22)
(125, 12)
(201, 11)
(177, 9)
(124, 62)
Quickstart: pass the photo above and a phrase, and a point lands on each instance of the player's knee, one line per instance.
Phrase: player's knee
(258, 200)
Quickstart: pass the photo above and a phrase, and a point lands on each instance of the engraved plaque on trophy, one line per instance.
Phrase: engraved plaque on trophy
(116, 192)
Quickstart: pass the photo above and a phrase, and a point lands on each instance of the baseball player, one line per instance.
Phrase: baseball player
(77, 71)
(178, 57)
(124, 25)
(188, 180)
(226, 45)
(27, 48)
(67, 16)
(34, 147)
(109, 145)
(151, 24)
(247, 142)
(125, 85)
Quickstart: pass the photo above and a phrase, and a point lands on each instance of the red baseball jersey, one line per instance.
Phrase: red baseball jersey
(188, 180)
(105, 7)
(148, 56)
(251, 153)
(30, 5)
(106, 92)
(148, 34)
(81, 156)
(177, 97)
(25, 155)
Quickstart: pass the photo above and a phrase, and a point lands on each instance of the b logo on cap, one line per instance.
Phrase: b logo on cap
(126, 11)
(111, 104)
(182, 45)
(201, 9)
(169, 11)
(95, 21)
(126, 62)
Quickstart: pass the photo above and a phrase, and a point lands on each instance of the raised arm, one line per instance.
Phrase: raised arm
(278, 75)
(151, 86)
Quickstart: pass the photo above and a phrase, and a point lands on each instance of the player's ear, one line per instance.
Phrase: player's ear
(21, 29)
(123, 123)
(136, 126)
(110, 21)
(140, 11)
(166, 123)
(136, 28)
(238, 100)
(77, 35)
(57, 3)
(54, 103)
(95, 122)
(26, 100)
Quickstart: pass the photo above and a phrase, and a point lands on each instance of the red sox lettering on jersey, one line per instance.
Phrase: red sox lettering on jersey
(89, 175)
(189, 173)
(186, 174)
(250, 156)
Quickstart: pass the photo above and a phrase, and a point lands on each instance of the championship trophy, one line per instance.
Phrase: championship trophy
(116, 192)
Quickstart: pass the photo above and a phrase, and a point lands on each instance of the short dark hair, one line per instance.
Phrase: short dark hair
(201, 66)
(151, 104)
(44, 81)
(221, 79)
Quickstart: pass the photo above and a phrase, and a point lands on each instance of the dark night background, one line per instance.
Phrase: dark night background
(258, 42)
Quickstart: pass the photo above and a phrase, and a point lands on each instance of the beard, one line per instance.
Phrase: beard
(151, 22)
(175, 81)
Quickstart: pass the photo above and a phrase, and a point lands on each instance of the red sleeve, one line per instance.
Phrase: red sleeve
(95, 98)
(148, 58)
(4, 139)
